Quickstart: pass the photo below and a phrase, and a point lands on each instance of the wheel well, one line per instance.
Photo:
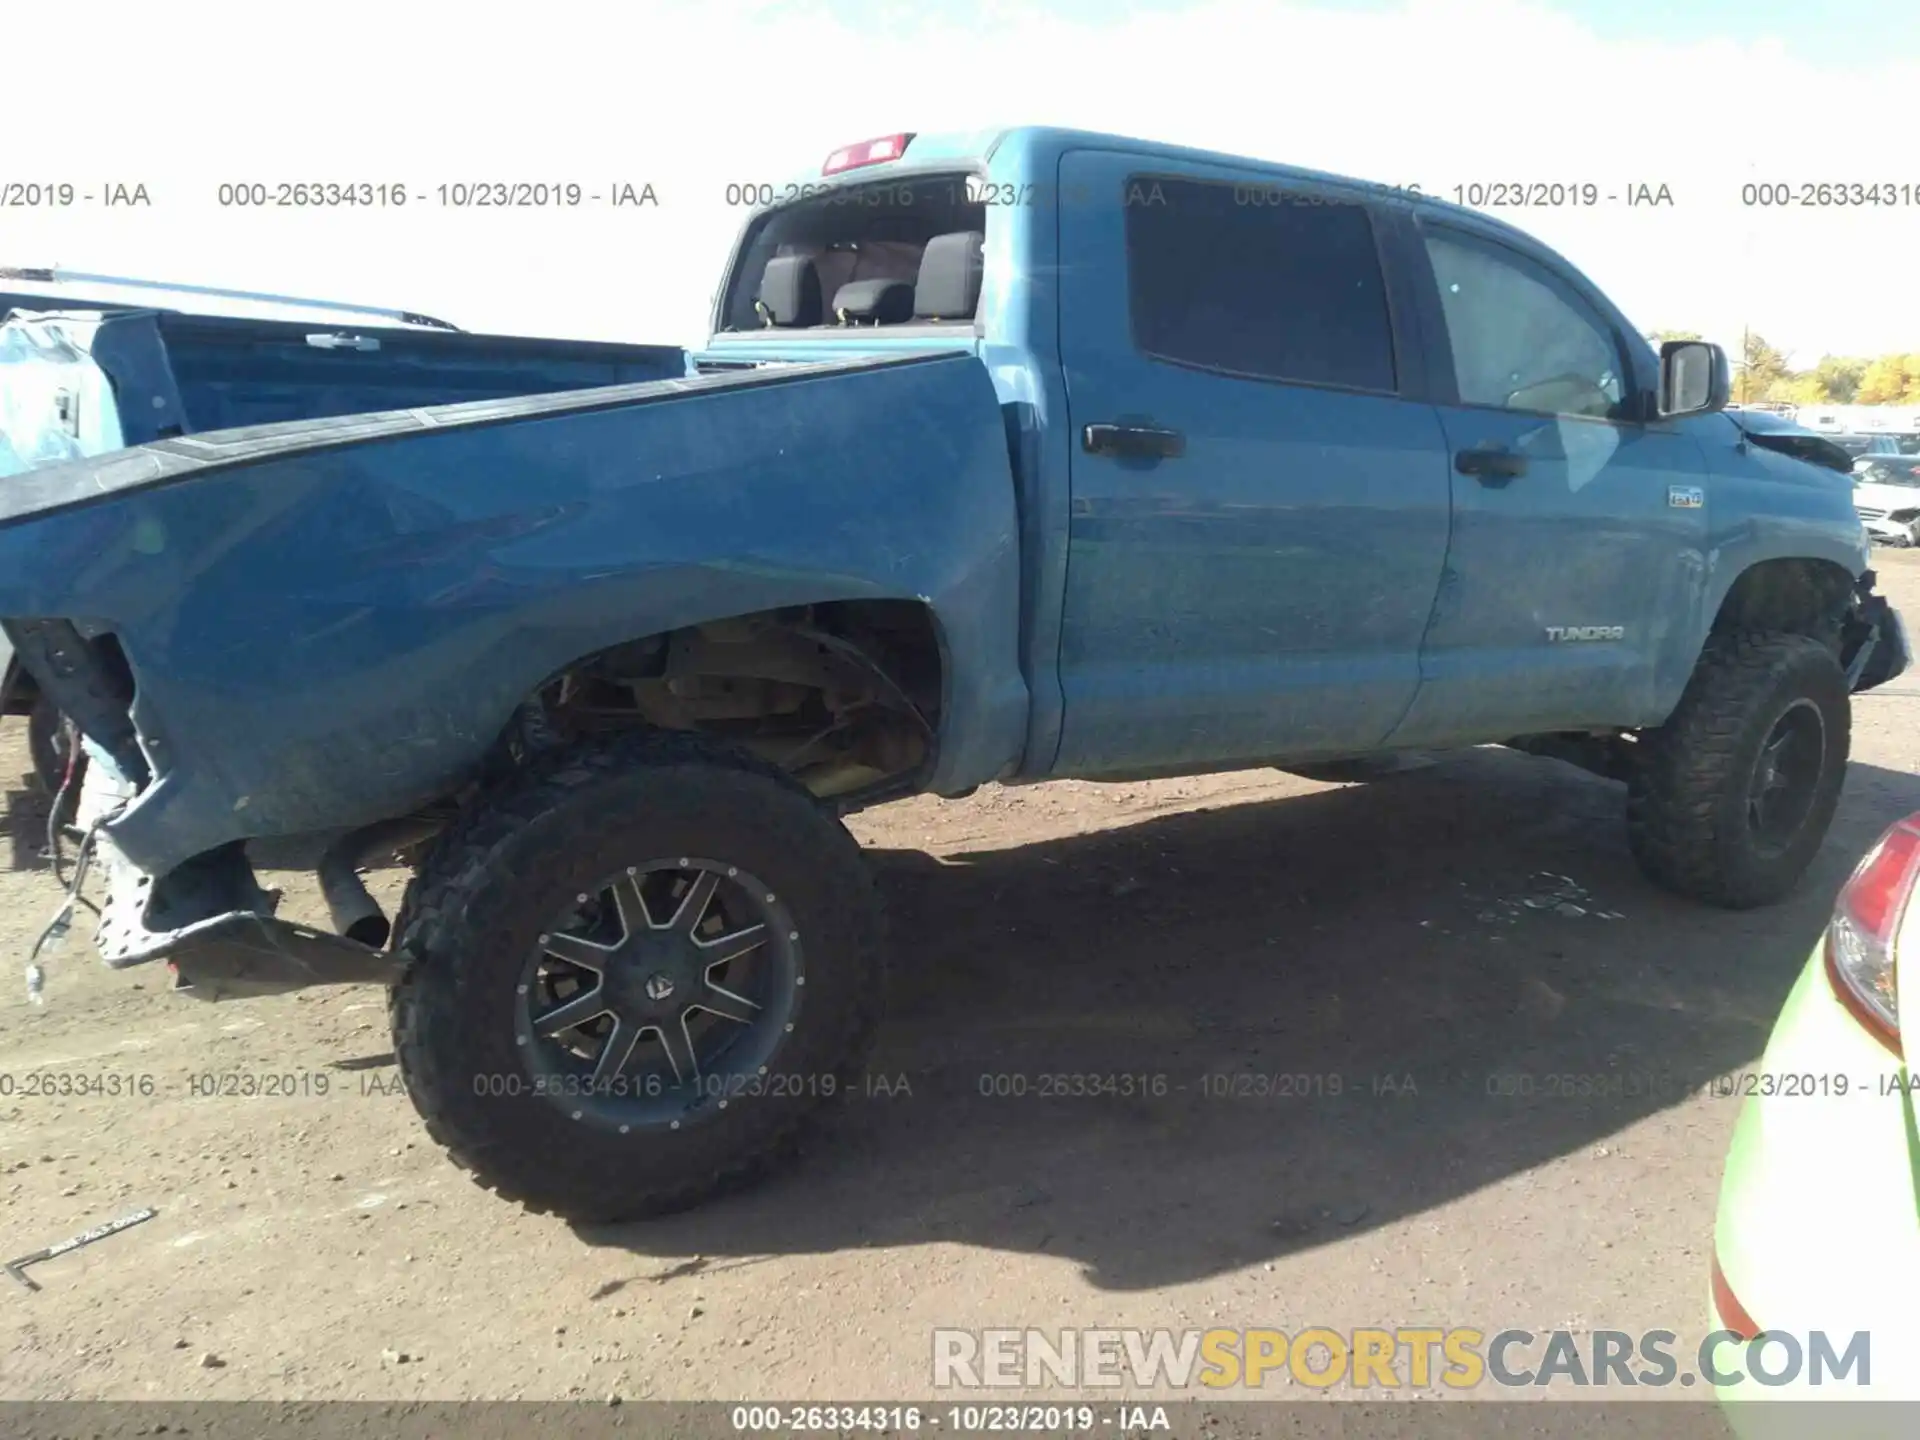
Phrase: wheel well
(1798, 596)
(846, 695)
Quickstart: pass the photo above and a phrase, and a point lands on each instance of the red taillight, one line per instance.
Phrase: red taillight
(867, 152)
(1862, 946)
(1733, 1315)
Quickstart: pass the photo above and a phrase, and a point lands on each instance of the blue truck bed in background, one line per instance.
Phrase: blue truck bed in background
(176, 374)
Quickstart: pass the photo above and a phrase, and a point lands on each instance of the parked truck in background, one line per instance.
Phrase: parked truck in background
(1012, 456)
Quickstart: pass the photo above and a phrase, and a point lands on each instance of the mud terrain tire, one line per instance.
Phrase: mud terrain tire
(1761, 707)
(481, 911)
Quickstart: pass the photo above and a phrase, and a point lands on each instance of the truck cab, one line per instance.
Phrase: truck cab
(1307, 465)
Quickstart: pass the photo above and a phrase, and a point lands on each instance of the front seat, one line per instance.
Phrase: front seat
(790, 293)
(950, 271)
(874, 302)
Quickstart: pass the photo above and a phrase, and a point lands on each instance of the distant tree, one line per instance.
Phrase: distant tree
(1761, 367)
(1805, 388)
(1839, 377)
(1660, 337)
(1890, 380)
(1882, 382)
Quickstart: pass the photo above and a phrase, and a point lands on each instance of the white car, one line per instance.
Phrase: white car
(1886, 492)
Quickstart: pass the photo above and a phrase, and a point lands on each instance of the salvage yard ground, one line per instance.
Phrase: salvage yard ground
(1436, 948)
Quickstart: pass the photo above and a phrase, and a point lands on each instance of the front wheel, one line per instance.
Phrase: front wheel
(635, 974)
(1731, 798)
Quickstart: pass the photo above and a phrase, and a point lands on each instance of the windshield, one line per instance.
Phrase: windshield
(890, 253)
(1903, 471)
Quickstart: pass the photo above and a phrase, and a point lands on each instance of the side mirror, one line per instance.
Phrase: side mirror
(1694, 378)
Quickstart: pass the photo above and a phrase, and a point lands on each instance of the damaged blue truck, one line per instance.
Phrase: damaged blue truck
(1012, 456)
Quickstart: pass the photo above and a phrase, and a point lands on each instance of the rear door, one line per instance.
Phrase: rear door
(1579, 526)
(1258, 516)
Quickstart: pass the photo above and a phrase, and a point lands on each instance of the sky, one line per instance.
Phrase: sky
(1701, 96)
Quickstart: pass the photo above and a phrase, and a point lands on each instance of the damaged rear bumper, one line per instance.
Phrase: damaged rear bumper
(208, 918)
(244, 954)
(217, 928)
(217, 932)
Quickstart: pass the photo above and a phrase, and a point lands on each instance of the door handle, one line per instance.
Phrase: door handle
(1138, 441)
(343, 342)
(1490, 465)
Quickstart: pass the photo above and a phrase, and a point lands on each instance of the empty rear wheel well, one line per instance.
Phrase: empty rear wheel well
(846, 695)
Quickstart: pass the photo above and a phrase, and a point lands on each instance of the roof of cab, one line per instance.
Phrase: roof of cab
(970, 148)
(975, 146)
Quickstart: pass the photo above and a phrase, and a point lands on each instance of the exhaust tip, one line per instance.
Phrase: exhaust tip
(370, 930)
(355, 913)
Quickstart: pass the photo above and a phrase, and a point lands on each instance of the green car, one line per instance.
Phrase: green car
(1818, 1230)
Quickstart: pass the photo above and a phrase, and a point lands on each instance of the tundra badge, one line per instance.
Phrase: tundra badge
(1686, 497)
(1558, 634)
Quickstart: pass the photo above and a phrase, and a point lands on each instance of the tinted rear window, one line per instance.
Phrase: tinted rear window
(1257, 281)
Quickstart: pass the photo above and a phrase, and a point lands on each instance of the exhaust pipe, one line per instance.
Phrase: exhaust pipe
(354, 911)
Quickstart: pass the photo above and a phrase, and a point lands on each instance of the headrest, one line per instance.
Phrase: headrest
(950, 267)
(875, 302)
(790, 291)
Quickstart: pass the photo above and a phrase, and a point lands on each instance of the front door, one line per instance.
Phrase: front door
(1258, 519)
(1579, 527)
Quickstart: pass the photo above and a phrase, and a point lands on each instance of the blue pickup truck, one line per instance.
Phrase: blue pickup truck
(1012, 456)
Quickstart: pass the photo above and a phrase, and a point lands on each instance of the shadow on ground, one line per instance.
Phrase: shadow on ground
(27, 806)
(1336, 1011)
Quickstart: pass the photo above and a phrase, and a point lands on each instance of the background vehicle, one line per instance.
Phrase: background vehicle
(1828, 1128)
(1866, 448)
(1886, 492)
(1013, 456)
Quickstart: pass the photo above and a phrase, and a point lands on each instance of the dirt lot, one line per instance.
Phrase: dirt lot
(1248, 925)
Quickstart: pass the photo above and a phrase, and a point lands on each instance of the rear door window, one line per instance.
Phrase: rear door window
(1252, 280)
